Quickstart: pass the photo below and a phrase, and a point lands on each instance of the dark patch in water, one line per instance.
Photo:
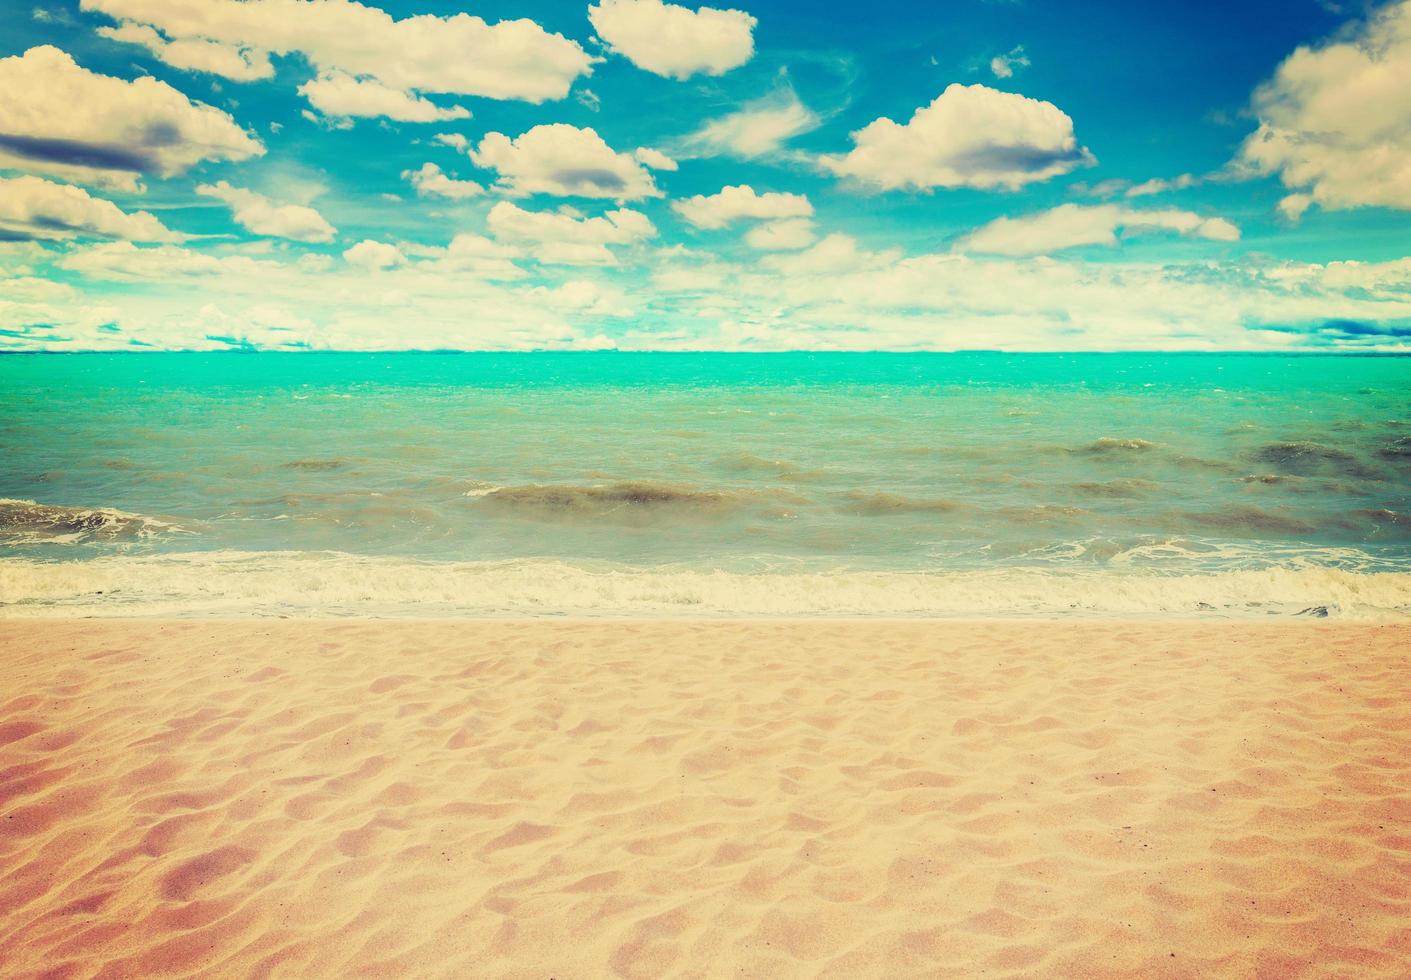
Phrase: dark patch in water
(1043, 513)
(1267, 478)
(316, 465)
(1196, 463)
(25, 521)
(640, 497)
(1118, 488)
(1248, 520)
(882, 504)
(1385, 518)
(1107, 445)
(1397, 449)
(1311, 459)
(750, 463)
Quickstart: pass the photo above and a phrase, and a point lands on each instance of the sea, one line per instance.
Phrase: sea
(618, 484)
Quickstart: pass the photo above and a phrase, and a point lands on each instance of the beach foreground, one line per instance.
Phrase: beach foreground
(693, 798)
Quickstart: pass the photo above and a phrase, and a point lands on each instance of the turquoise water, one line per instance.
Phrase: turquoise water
(777, 483)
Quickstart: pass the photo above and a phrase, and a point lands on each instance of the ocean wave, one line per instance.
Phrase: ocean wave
(1313, 459)
(27, 522)
(1398, 449)
(1383, 518)
(750, 463)
(1108, 444)
(881, 504)
(1247, 520)
(301, 583)
(626, 498)
(1118, 488)
(317, 465)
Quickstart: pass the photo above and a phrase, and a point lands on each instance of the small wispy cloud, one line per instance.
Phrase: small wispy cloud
(759, 129)
(1004, 65)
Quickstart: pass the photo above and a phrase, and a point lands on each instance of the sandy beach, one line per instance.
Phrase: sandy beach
(692, 798)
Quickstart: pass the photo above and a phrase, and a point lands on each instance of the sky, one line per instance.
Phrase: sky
(1062, 175)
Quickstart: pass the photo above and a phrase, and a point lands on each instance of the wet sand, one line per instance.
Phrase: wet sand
(654, 798)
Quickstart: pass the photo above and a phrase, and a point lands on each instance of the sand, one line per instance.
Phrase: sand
(701, 799)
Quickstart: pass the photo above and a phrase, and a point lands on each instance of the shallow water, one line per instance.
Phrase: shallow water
(789, 483)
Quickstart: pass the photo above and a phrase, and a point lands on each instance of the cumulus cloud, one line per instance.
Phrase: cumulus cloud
(655, 159)
(342, 96)
(61, 119)
(183, 298)
(236, 63)
(566, 238)
(488, 259)
(760, 128)
(374, 256)
(970, 136)
(431, 181)
(674, 41)
(834, 255)
(1003, 65)
(564, 161)
(836, 294)
(584, 296)
(126, 262)
(257, 213)
(456, 141)
(1335, 120)
(1160, 185)
(458, 55)
(1074, 225)
(782, 236)
(731, 204)
(32, 207)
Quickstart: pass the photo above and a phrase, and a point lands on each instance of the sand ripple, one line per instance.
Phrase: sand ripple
(704, 799)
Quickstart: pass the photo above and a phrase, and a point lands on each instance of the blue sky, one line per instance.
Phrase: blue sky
(767, 175)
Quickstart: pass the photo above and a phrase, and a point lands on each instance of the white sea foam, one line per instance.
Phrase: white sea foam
(300, 583)
(27, 522)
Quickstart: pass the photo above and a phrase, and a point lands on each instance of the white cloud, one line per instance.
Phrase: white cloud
(61, 119)
(834, 255)
(583, 296)
(564, 161)
(734, 203)
(431, 181)
(759, 129)
(564, 238)
(1292, 206)
(258, 214)
(1074, 225)
(342, 96)
(459, 54)
(123, 261)
(455, 140)
(1003, 65)
(1335, 121)
(374, 256)
(666, 39)
(782, 236)
(1158, 185)
(179, 297)
(32, 207)
(655, 159)
(970, 136)
(486, 258)
(228, 61)
(834, 295)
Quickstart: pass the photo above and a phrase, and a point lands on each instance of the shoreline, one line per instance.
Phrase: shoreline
(233, 585)
(639, 797)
